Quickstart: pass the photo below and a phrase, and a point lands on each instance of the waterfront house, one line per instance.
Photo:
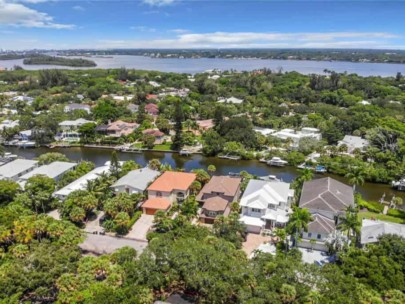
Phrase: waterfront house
(216, 196)
(77, 106)
(159, 136)
(135, 181)
(371, 230)
(81, 183)
(168, 188)
(152, 109)
(25, 135)
(327, 200)
(296, 136)
(17, 168)
(117, 128)
(265, 205)
(353, 143)
(70, 129)
(54, 170)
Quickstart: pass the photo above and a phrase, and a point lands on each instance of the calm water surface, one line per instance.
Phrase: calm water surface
(193, 66)
(100, 156)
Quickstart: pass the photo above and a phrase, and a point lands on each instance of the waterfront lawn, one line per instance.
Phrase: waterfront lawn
(381, 217)
(163, 147)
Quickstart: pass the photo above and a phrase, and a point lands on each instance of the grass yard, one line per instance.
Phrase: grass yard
(163, 147)
(381, 217)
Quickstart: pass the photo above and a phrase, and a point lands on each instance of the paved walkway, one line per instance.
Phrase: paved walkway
(94, 225)
(104, 244)
(141, 227)
(253, 241)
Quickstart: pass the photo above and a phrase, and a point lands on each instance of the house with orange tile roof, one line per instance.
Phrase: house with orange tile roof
(117, 128)
(167, 189)
(152, 109)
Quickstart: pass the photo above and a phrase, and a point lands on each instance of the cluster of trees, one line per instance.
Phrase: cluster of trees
(53, 60)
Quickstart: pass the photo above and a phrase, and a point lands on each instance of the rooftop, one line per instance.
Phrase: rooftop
(16, 167)
(157, 203)
(138, 179)
(215, 203)
(372, 230)
(170, 181)
(326, 194)
(225, 185)
(52, 170)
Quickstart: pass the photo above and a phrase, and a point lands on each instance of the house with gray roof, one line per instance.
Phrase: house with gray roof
(371, 230)
(17, 168)
(53, 170)
(354, 142)
(135, 181)
(327, 200)
(77, 106)
(266, 205)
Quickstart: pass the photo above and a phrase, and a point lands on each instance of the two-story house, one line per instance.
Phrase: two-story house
(168, 188)
(136, 181)
(70, 129)
(327, 199)
(266, 205)
(216, 196)
(117, 128)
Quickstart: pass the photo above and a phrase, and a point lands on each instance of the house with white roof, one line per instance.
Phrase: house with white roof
(8, 124)
(266, 205)
(371, 230)
(232, 99)
(264, 131)
(53, 170)
(154, 84)
(17, 168)
(365, 103)
(135, 181)
(296, 136)
(76, 106)
(27, 99)
(70, 129)
(81, 183)
(354, 142)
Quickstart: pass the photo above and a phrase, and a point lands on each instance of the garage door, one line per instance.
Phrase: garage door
(150, 211)
(253, 229)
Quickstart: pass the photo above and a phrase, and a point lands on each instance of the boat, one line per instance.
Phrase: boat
(277, 162)
(305, 166)
(399, 185)
(185, 152)
(232, 157)
(131, 150)
(320, 169)
(26, 144)
(270, 178)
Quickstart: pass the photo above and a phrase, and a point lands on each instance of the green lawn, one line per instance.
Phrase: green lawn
(163, 147)
(381, 217)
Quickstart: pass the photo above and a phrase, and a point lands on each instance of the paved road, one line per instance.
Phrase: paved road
(141, 227)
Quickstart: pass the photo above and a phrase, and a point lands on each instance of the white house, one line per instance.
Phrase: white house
(354, 142)
(17, 168)
(372, 230)
(154, 84)
(264, 131)
(8, 124)
(53, 170)
(365, 103)
(266, 205)
(70, 129)
(296, 136)
(77, 106)
(232, 99)
(81, 183)
(135, 181)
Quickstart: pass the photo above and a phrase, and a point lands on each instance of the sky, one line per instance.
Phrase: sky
(96, 24)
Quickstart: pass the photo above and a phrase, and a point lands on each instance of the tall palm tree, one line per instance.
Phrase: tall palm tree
(298, 222)
(350, 223)
(356, 177)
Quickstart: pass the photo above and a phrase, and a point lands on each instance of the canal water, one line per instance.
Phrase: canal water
(369, 191)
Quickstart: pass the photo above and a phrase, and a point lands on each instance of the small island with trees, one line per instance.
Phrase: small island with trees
(53, 60)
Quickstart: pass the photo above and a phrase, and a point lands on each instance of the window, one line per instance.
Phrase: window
(212, 213)
(319, 236)
(255, 210)
(309, 234)
(159, 194)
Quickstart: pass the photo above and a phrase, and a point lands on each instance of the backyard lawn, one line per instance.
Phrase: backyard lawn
(381, 217)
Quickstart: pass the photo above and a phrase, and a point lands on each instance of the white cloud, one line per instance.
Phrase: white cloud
(19, 15)
(179, 31)
(262, 40)
(142, 28)
(158, 2)
(78, 8)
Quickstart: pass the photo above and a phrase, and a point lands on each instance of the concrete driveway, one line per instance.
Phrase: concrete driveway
(141, 227)
(94, 225)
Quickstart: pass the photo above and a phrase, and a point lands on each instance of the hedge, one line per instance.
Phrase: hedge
(396, 213)
(371, 206)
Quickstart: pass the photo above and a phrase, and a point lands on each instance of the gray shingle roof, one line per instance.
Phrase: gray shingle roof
(138, 179)
(326, 194)
(321, 224)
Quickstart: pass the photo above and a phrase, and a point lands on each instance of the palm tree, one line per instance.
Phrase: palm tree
(397, 201)
(211, 169)
(356, 177)
(154, 164)
(350, 223)
(298, 222)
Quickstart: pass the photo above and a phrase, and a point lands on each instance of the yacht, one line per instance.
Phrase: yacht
(277, 162)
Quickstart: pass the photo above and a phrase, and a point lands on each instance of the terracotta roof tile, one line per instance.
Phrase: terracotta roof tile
(157, 203)
(170, 181)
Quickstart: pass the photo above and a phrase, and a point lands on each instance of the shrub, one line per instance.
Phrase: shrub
(371, 206)
(396, 213)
